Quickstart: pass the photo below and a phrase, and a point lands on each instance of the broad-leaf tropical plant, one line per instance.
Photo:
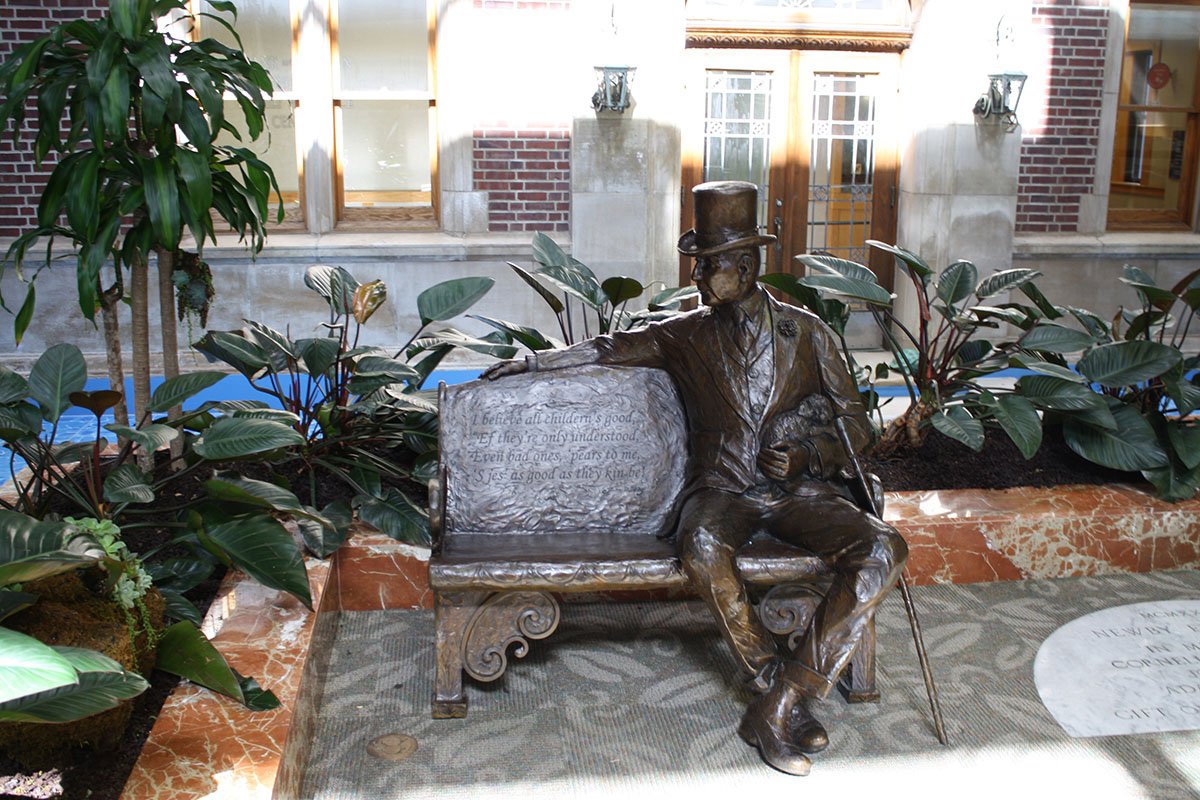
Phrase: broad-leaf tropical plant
(588, 306)
(354, 412)
(942, 358)
(135, 114)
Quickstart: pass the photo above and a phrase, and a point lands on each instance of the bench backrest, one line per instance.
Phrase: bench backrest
(591, 449)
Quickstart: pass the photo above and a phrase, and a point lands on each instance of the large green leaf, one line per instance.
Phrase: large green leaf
(58, 372)
(671, 298)
(456, 338)
(162, 200)
(859, 290)
(318, 354)
(580, 285)
(959, 425)
(148, 437)
(552, 300)
(1053, 338)
(1150, 292)
(1004, 280)
(31, 549)
(1131, 446)
(27, 667)
(233, 488)
(1046, 368)
(618, 289)
(231, 438)
(323, 539)
(174, 391)
(1174, 482)
(184, 651)
(237, 351)
(530, 337)
(1128, 363)
(957, 282)
(831, 265)
(333, 283)
(910, 260)
(127, 484)
(12, 601)
(13, 388)
(101, 685)
(1021, 422)
(1058, 394)
(1182, 392)
(1185, 439)
(451, 298)
(396, 516)
(263, 548)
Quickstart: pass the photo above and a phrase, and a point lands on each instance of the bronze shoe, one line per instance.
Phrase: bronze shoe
(768, 732)
(806, 730)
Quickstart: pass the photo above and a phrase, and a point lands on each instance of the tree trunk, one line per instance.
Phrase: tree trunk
(170, 339)
(139, 305)
(110, 304)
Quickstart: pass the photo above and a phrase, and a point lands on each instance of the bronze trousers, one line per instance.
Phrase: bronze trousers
(865, 555)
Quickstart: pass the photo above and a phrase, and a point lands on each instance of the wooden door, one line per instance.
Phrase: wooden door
(815, 131)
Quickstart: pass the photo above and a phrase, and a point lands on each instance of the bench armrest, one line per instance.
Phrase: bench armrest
(437, 508)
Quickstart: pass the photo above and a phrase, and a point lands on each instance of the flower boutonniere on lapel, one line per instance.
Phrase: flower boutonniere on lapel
(787, 328)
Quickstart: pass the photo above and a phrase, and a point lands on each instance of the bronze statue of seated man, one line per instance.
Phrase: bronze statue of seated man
(763, 386)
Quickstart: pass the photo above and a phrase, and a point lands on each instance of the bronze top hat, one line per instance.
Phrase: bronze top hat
(726, 219)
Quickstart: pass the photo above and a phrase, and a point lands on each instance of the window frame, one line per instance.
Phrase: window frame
(320, 161)
(1182, 216)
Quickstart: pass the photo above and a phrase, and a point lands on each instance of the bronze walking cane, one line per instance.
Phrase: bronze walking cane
(918, 640)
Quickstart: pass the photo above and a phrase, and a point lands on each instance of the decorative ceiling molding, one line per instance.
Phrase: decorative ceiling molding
(798, 37)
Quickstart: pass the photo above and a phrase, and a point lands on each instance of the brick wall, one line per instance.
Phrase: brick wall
(21, 182)
(527, 174)
(1058, 160)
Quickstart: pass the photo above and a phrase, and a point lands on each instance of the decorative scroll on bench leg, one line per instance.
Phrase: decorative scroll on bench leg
(786, 610)
(474, 632)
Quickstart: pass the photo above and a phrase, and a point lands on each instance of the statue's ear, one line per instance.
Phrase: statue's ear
(747, 264)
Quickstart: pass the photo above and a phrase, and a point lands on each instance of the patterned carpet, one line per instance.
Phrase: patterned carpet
(640, 700)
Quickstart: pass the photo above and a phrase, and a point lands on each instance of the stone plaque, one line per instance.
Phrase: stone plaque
(1129, 669)
(586, 449)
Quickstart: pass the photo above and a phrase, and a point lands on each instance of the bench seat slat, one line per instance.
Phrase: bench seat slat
(594, 562)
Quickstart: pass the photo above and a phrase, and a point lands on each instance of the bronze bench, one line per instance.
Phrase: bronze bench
(565, 482)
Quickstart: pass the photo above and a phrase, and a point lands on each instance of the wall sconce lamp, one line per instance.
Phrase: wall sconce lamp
(612, 93)
(1002, 97)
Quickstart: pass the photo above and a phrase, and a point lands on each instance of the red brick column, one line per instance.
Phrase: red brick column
(21, 182)
(1058, 159)
(527, 175)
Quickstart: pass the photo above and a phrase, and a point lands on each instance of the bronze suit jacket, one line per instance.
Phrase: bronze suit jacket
(725, 433)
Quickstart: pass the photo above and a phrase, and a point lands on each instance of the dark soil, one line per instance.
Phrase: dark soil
(943, 463)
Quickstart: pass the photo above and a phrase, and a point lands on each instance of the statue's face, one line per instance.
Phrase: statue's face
(726, 277)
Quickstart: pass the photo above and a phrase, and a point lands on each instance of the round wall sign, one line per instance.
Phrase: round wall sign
(1158, 76)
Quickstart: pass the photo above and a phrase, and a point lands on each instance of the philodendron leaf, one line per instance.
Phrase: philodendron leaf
(12, 601)
(396, 516)
(323, 540)
(96, 402)
(1132, 446)
(910, 260)
(13, 388)
(619, 289)
(247, 357)
(100, 684)
(451, 298)
(1128, 363)
(831, 265)
(231, 438)
(27, 667)
(148, 437)
(174, 391)
(184, 651)
(1185, 439)
(179, 607)
(58, 372)
(1021, 422)
(1055, 339)
(870, 293)
(957, 282)
(530, 337)
(368, 298)
(263, 548)
(1004, 280)
(32, 549)
(233, 488)
(959, 425)
(127, 484)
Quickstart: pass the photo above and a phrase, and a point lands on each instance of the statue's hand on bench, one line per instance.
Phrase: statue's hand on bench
(516, 366)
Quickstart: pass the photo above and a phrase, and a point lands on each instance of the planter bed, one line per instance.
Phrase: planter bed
(205, 746)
